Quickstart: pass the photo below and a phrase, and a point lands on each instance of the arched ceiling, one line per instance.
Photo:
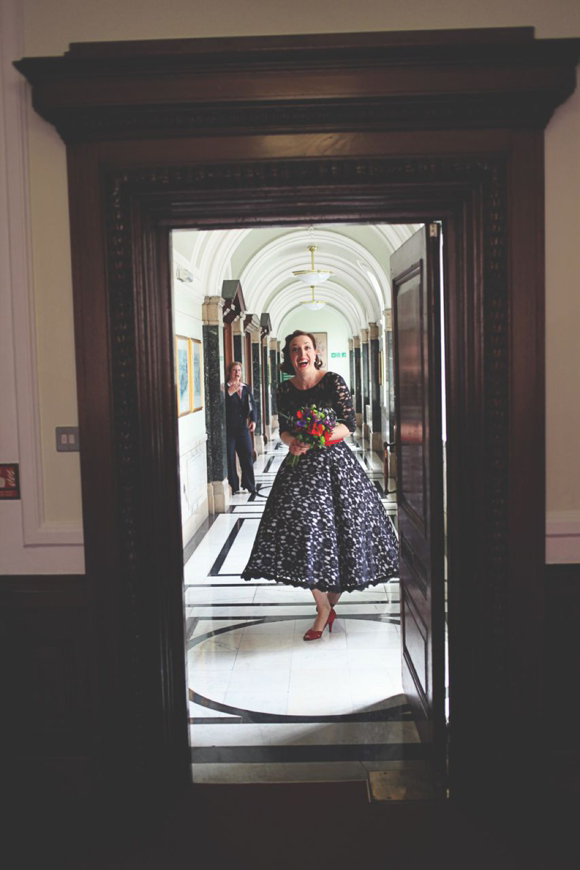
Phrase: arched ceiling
(264, 260)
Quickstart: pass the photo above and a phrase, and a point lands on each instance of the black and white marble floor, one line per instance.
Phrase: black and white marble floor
(264, 705)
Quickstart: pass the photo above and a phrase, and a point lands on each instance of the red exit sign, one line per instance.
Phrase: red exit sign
(9, 481)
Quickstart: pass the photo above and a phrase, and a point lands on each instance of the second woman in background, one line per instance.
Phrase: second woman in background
(240, 421)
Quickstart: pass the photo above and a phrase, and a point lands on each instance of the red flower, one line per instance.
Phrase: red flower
(299, 414)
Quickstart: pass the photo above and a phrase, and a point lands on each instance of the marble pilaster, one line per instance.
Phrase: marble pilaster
(273, 351)
(374, 345)
(215, 409)
(364, 341)
(266, 389)
(257, 389)
(351, 364)
(357, 380)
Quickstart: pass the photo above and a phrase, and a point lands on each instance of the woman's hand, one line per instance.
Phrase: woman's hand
(251, 426)
(340, 431)
(297, 448)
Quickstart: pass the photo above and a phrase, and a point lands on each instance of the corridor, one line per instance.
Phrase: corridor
(264, 705)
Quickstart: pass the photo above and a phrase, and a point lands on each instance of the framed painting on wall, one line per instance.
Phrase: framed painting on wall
(321, 339)
(183, 374)
(197, 374)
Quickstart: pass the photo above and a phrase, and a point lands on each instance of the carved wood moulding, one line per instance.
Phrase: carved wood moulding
(194, 186)
(382, 81)
(388, 114)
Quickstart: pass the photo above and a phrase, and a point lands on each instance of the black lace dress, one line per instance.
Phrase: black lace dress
(323, 526)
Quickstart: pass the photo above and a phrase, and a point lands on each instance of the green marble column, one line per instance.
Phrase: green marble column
(266, 377)
(215, 409)
(357, 378)
(376, 419)
(257, 380)
(351, 364)
(365, 380)
(274, 376)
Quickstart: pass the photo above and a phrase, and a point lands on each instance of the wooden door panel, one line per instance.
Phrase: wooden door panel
(411, 394)
(416, 331)
(416, 646)
(228, 345)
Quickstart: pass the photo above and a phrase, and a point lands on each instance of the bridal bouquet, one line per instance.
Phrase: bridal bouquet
(312, 426)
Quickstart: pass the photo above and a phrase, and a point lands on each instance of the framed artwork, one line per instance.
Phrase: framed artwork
(321, 339)
(197, 374)
(183, 374)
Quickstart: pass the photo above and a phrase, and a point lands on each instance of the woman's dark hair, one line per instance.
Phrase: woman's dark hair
(286, 364)
(230, 367)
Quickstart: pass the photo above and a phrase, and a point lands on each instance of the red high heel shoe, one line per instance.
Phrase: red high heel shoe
(316, 635)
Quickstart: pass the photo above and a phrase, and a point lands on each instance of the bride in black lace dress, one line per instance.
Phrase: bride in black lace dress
(324, 527)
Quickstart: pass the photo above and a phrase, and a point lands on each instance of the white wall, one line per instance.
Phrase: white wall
(48, 28)
(187, 321)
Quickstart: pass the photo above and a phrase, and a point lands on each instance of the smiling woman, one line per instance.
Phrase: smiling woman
(324, 527)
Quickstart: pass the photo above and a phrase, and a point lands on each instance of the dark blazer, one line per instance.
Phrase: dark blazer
(240, 409)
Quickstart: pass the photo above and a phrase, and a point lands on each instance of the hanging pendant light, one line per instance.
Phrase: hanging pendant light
(313, 304)
(313, 277)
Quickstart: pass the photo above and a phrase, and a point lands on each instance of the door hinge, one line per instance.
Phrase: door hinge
(433, 230)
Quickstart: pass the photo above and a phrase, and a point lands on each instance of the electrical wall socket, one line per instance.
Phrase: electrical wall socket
(67, 439)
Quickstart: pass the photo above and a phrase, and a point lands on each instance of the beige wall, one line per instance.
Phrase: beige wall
(563, 307)
(54, 316)
(49, 27)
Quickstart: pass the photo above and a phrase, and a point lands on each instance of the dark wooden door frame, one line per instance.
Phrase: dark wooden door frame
(364, 128)
(470, 196)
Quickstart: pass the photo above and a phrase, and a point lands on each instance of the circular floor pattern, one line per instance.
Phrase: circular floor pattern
(266, 668)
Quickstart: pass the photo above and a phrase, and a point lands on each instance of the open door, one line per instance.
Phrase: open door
(415, 275)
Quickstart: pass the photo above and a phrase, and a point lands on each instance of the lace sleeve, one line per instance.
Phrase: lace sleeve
(283, 407)
(342, 402)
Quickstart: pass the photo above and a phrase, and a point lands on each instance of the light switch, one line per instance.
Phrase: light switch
(67, 439)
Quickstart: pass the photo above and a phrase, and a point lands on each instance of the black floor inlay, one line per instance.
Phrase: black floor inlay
(292, 754)
(198, 537)
(282, 603)
(190, 625)
(215, 568)
(398, 713)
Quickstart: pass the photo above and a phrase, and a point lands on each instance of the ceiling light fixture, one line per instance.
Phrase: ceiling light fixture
(313, 304)
(313, 277)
